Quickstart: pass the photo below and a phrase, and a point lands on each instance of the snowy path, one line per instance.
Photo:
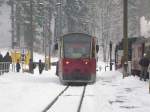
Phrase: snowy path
(32, 93)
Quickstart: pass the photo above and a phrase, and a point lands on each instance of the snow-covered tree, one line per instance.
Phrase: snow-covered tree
(39, 12)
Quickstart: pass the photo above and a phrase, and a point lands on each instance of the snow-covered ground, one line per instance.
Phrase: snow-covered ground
(24, 92)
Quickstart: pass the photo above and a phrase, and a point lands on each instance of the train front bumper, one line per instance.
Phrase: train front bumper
(79, 78)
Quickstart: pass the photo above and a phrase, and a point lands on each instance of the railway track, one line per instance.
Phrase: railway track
(69, 94)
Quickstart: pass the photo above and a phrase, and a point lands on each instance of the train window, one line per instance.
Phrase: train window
(77, 47)
(75, 51)
(56, 46)
(147, 51)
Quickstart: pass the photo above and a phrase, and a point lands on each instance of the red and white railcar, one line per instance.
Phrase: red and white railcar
(77, 58)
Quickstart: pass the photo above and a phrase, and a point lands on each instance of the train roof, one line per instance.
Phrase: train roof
(140, 40)
(131, 40)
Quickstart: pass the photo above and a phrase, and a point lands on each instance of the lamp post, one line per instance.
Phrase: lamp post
(125, 38)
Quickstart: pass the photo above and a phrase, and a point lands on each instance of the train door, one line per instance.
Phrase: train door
(93, 58)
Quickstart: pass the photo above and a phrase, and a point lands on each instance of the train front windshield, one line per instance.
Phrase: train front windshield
(77, 46)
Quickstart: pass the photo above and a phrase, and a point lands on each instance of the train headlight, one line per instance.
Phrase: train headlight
(67, 62)
(86, 62)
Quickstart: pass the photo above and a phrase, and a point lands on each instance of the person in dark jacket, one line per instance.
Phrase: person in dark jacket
(41, 67)
(1, 57)
(7, 59)
(18, 67)
(1, 65)
(144, 62)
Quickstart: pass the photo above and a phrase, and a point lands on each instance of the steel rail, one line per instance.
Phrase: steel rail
(81, 100)
(55, 99)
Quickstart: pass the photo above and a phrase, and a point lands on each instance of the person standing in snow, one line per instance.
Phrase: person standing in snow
(7, 59)
(144, 62)
(18, 67)
(41, 67)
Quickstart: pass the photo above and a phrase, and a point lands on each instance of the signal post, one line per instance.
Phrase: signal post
(125, 38)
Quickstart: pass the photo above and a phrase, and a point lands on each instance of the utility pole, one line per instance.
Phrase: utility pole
(12, 24)
(110, 47)
(102, 25)
(116, 57)
(18, 23)
(50, 38)
(31, 28)
(60, 18)
(59, 29)
(125, 38)
(59, 3)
